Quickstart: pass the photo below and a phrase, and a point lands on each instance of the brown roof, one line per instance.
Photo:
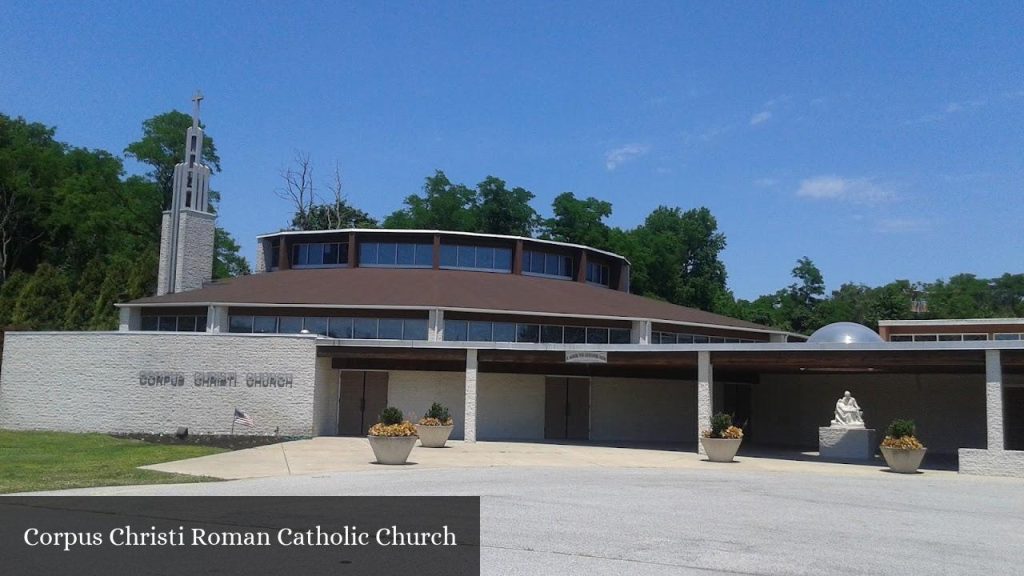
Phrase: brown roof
(427, 288)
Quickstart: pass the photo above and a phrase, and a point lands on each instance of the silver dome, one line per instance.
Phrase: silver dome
(844, 333)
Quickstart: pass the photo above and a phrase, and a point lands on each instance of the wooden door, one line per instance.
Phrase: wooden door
(577, 409)
(567, 408)
(554, 408)
(362, 397)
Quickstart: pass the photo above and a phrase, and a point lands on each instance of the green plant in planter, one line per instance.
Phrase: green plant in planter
(721, 427)
(437, 416)
(901, 435)
(392, 423)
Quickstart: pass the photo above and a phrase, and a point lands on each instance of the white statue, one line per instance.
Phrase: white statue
(848, 413)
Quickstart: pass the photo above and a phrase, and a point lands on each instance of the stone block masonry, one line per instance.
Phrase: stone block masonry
(155, 382)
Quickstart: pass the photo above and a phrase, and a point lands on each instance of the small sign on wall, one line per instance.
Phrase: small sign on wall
(585, 357)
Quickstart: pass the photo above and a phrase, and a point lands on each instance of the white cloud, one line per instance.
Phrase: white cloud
(902, 225)
(859, 191)
(619, 156)
(760, 117)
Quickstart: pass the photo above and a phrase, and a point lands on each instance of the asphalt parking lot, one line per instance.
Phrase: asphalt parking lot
(702, 519)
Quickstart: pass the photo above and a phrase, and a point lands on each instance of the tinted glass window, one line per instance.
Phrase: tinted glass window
(485, 258)
(289, 324)
(619, 336)
(551, 334)
(467, 257)
(503, 259)
(455, 330)
(368, 253)
(168, 323)
(316, 326)
(149, 323)
(575, 335)
(240, 324)
(390, 329)
(364, 328)
(480, 331)
(597, 335)
(186, 323)
(406, 254)
(387, 254)
(340, 327)
(264, 324)
(424, 255)
(449, 255)
(331, 253)
(975, 337)
(527, 332)
(415, 330)
(504, 332)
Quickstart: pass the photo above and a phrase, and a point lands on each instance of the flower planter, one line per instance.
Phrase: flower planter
(392, 449)
(903, 461)
(721, 449)
(434, 436)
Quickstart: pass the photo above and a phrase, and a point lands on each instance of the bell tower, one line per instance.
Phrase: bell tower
(187, 230)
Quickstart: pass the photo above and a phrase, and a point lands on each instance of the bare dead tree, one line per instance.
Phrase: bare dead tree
(334, 212)
(298, 189)
(8, 200)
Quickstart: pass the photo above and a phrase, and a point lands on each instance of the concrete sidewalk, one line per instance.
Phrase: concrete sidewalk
(332, 454)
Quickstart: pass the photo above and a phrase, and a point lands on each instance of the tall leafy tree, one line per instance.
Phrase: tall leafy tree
(444, 205)
(675, 256)
(579, 221)
(162, 146)
(504, 211)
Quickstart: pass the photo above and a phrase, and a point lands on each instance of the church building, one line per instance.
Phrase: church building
(524, 339)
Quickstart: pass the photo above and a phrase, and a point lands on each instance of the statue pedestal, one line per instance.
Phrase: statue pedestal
(846, 443)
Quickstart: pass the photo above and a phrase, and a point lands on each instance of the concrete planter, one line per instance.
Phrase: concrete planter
(903, 461)
(392, 449)
(434, 436)
(721, 449)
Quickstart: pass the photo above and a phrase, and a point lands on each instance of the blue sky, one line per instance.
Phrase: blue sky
(881, 141)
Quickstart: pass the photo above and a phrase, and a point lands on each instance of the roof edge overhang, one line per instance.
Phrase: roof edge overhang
(953, 322)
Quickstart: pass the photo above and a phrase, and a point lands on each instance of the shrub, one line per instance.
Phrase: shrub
(437, 416)
(900, 428)
(900, 435)
(390, 416)
(721, 427)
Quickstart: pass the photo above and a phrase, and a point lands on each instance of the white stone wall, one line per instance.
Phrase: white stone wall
(992, 462)
(325, 399)
(413, 392)
(195, 250)
(949, 409)
(90, 382)
(261, 258)
(510, 407)
(164, 267)
(642, 410)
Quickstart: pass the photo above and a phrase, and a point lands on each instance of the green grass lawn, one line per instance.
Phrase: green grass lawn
(31, 461)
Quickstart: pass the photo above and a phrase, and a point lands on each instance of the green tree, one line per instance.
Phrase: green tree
(43, 300)
(579, 221)
(227, 263)
(504, 211)
(162, 146)
(675, 257)
(443, 206)
(332, 216)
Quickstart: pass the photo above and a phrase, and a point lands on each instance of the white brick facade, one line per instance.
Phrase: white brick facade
(98, 382)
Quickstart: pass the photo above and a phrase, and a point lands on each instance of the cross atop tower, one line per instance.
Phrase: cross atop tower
(196, 99)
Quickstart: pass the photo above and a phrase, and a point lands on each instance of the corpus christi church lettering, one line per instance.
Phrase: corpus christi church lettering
(215, 379)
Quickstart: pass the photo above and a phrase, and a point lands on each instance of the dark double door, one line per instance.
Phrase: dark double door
(362, 398)
(567, 408)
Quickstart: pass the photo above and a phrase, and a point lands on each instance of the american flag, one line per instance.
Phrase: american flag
(243, 418)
